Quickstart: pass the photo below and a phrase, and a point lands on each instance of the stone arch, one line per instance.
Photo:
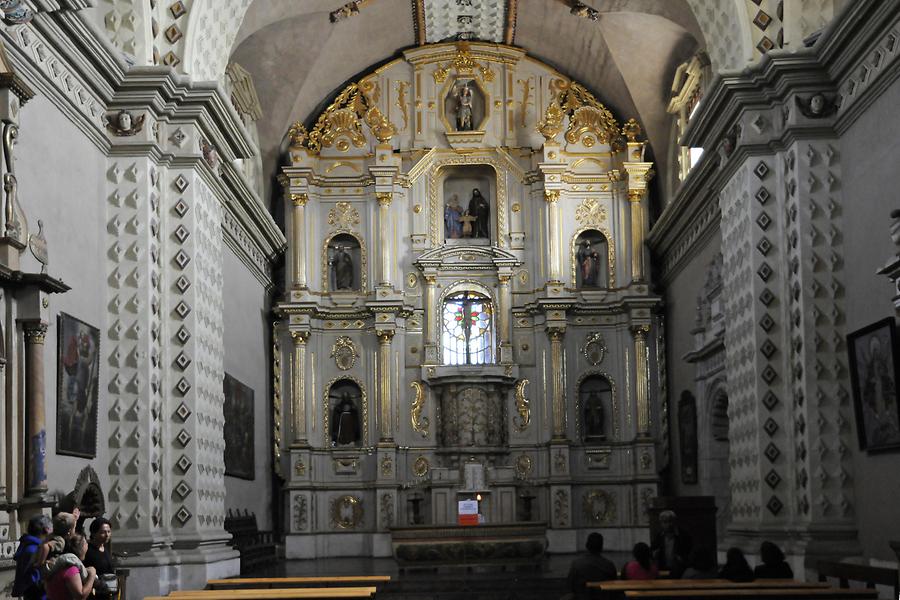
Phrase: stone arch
(87, 495)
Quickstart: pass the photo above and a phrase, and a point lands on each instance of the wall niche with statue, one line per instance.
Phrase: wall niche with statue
(345, 262)
(591, 260)
(470, 203)
(595, 396)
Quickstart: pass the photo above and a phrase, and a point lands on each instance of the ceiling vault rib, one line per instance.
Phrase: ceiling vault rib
(418, 9)
(509, 32)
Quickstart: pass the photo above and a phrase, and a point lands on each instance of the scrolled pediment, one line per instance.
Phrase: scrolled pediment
(459, 257)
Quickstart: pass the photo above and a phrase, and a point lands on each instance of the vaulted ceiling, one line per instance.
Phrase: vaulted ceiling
(626, 51)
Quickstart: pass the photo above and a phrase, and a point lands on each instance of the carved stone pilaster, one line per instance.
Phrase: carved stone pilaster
(36, 436)
(298, 240)
(298, 387)
(385, 386)
(558, 382)
(642, 379)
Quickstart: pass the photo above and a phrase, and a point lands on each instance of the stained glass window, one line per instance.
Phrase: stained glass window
(467, 332)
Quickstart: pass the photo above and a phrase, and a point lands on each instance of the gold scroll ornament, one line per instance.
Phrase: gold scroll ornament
(523, 406)
(419, 423)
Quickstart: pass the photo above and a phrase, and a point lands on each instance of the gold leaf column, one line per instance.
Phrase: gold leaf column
(384, 385)
(558, 387)
(554, 235)
(639, 174)
(298, 387)
(298, 239)
(503, 316)
(431, 349)
(642, 379)
(384, 205)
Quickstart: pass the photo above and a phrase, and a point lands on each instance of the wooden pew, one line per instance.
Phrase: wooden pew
(755, 594)
(870, 576)
(702, 584)
(270, 594)
(291, 582)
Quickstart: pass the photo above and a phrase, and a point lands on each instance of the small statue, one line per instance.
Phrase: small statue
(452, 213)
(342, 264)
(464, 108)
(210, 155)
(481, 210)
(123, 124)
(345, 422)
(593, 416)
(817, 107)
(580, 9)
(589, 265)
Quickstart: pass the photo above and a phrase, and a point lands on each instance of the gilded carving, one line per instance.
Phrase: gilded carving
(344, 353)
(419, 423)
(299, 468)
(590, 212)
(594, 349)
(420, 467)
(276, 402)
(525, 101)
(346, 512)
(343, 215)
(523, 406)
(553, 121)
(402, 87)
(587, 120)
(342, 122)
(585, 114)
(561, 508)
(599, 507)
(523, 466)
(297, 135)
(631, 130)
(342, 119)
(387, 510)
(301, 516)
(387, 465)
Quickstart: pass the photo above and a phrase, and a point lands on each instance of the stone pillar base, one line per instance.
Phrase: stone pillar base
(160, 571)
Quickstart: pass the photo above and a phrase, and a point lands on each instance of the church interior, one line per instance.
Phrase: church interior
(322, 273)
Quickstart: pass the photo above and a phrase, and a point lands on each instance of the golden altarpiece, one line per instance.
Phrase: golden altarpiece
(468, 312)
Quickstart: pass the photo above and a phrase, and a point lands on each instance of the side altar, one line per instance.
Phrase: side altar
(432, 546)
(468, 310)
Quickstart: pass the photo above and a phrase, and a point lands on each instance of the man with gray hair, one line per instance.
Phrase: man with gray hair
(671, 546)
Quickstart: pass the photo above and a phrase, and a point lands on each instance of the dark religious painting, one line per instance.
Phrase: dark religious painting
(687, 434)
(78, 367)
(239, 442)
(873, 372)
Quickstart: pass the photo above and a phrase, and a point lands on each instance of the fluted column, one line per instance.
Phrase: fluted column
(558, 383)
(298, 240)
(36, 440)
(431, 312)
(384, 384)
(298, 387)
(554, 235)
(642, 379)
(503, 315)
(384, 241)
(636, 201)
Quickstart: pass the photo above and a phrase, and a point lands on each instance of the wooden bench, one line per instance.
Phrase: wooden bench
(256, 547)
(270, 594)
(870, 576)
(755, 594)
(291, 582)
(701, 584)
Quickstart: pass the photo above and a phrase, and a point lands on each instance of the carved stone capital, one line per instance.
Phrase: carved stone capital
(636, 195)
(299, 199)
(640, 331)
(35, 331)
(385, 335)
(551, 196)
(384, 198)
(556, 333)
(299, 337)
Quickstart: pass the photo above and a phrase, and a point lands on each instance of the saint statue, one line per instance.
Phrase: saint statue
(342, 266)
(464, 108)
(345, 422)
(593, 416)
(588, 264)
(452, 213)
(481, 210)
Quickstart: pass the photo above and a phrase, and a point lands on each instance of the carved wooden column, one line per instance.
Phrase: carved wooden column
(431, 312)
(298, 387)
(384, 384)
(642, 379)
(639, 174)
(503, 314)
(298, 239)
(558, 383)
(384, 241)
(36, 432)
(554, 235)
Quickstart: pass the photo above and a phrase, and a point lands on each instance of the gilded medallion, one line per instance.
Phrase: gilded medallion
(523, 466)
(594, 349)
(344, 353)
(346, 512)
(599, 507)
(420, 467)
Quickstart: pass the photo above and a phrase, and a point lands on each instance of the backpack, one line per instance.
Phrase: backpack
(28, 575)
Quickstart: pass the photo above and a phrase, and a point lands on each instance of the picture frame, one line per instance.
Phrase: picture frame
(239, 431)
(77, 393)
(874, 356)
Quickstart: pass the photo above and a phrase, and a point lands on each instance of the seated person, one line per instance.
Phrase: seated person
(592, 566)
(701, 564)
(773, 564)
(642, 567)
(736, 567)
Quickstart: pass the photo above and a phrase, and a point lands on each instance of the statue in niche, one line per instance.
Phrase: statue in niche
(453, 226)
(342, 268)
(464, 108)
(481, 210)
(589, 264)
(593, 416)
(345, 421)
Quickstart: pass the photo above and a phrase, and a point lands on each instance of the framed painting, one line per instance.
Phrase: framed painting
(78, 367)
(239, 442)
(873, 354)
